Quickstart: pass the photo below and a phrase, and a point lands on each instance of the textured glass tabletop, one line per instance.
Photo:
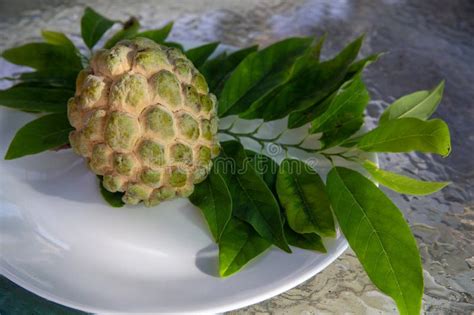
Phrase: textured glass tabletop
(426, 41)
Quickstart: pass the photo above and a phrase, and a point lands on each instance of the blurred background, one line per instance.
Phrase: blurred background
(426, 42)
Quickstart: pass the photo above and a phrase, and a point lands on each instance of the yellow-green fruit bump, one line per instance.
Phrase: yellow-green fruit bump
(152, 153)
(151, 177)
(167, 87)
(100, 158)
(181, 153)
(177, 177)
(124, 163)
(130, 90)
(121, 131)
(151, 60)
(188, 126)
(160, 122)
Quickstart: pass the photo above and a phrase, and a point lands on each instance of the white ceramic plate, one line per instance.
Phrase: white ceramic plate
(60, 240)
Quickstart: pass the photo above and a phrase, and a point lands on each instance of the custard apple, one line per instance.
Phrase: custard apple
(144, 119)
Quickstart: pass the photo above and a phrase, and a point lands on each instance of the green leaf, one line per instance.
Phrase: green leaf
(310, 85)
(57, 38)
(217, 70)
(343, 115)
(421, 105)
(252, 200)
(93, 26)
(406, 135)
(199, 55)
(129, 30)
(402, 184)
(300, 117)
(380, 237)
(38, 99)
(158, 35)
(303, 196)
(265, 166)
(342, 131)
(239, 244)
(43, 56)
(39, 135)
(259, 73)
(310, 241)
(213, 198)
(359, 66)
(114, 199)
(51, 78)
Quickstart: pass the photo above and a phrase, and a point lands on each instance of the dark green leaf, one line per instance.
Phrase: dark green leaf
(380, 237)
(51, 78)
(259, 73)
(57, 38)
(38, 99)
(239, 244)
(213, 198)
(113, 199)
(303, 196)
(43, 56)
(311, 241)
(421, 105)
(312, 82)
(39, 135)
(217, 70)
(402, 184)
(342, 131)
(359, 66)
(158, 35)
(265, 166)
(252, 200)
(129, 30)
(343, 115)
(406, 135)
(199, 55)
(93, 26)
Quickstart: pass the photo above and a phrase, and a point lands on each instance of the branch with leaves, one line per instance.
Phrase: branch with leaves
(267, 203)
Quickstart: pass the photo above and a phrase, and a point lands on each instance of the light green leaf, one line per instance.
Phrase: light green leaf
(213, 198)
(44, 56)
(310, 241)
(380, 237)
(44, 133)
(129, 30)
(303, 196)
(259, 73)
(158, 35)
(199, 55)
(421, 105)
(252, 200)
(93, 26)
(406, 135)
(114, 199)
(239, 244)
(57, 38)
(402, 184)
(217, 70)
(38, 99)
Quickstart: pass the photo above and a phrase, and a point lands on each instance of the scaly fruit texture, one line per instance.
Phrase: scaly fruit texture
(144, 119)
